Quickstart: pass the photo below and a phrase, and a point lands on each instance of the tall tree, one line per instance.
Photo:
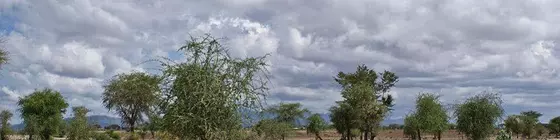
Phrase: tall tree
(430, 114)
(79, 129)
(272, 129)
(315, 125)
(476, 117)
(288, 112)
(5, 116)
(131, 96)
(42, 112)
(205, 95)
(366, 92)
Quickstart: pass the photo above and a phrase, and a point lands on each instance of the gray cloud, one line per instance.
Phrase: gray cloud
(455, 48)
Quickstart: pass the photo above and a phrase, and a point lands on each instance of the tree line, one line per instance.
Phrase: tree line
(210, 95)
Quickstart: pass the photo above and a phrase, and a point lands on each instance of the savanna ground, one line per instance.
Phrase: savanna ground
(332, 135)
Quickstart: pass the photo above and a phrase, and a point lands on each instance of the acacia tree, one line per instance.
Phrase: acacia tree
(411, 128)
(79, 129)
(42, 112)
(365, 93)
(272, 129)
(476, 117)
(5, 116)
(288, 112)
(203, 96)
(131, 96)
(315, 125)
(431, 115)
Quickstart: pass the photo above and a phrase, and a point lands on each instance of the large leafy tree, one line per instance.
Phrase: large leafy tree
(5, 116)
(411, 127)
(288, 112)
(79, 129)
(131, 96)
(315, 125)
(365, 91)
(476, 117)
(430, 115)
(205, 94)
(530, 120)
(42, 112)
(272, 129)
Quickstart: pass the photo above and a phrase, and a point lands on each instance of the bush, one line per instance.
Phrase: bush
(113, 135)
(503, 135)
(101, 136)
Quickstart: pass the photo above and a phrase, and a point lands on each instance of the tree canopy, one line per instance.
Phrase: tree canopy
(477, 116)
(42, 112)
(6, 127)
(131, 96)
(79, 129)
(203, 96)
(315, 125)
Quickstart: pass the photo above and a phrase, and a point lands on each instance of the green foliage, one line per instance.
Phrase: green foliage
(79, 129)
(315, 125)
(42, 112)
(554, 126)
(6, 130)
(102, 136)
(503, 135)
(131, 95)
(343, 119)
(514, 124)
(288, 112)
(112, 134)
(272, 129)
(364, 94)
(430, 114)
(411, 128)
(204, 95)
(530, 121)
(476, 117)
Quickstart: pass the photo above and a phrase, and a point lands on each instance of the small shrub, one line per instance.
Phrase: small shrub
(503, 135)
(101, 136)
(113, 135)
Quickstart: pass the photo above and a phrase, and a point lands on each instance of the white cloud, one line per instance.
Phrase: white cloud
(454, 47)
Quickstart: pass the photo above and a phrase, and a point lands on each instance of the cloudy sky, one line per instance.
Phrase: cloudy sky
(451, 47)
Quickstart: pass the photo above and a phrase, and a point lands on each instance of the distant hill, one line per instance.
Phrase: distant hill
(94, 119)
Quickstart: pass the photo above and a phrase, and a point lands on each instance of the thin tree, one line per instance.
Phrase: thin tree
(315, 125)
(79, 129)
(205, 96)
(131, 96)
(5, 116)
(42, 112)
(477, 116)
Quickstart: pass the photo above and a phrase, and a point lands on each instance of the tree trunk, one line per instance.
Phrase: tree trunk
(317, 136)
(373, 136)
(439, 135)
(419, 134)
(366, 135)
(348, 135)
(30, 137)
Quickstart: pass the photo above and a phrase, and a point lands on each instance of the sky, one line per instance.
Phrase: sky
(454, 48)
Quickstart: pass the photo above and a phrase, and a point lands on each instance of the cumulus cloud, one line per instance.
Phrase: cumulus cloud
(452, 47)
